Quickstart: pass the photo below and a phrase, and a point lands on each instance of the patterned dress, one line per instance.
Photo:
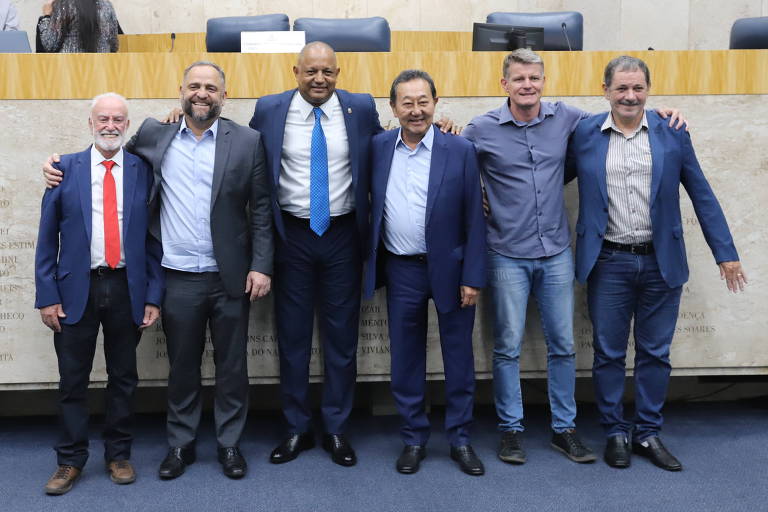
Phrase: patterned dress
(60, 32)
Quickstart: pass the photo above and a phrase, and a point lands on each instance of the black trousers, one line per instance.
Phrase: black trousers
(192, 301)
(323, 275)
(108, 305)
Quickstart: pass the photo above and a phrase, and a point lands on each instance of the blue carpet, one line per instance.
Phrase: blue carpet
(723, 448)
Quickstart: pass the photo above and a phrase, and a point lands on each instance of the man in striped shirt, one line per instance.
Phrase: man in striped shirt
(630, 251)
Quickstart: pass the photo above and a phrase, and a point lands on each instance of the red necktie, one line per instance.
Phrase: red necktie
(111, 227)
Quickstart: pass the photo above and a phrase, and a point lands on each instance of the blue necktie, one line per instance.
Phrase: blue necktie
(319, 204)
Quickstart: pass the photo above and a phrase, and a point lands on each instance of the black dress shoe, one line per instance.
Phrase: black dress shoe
(176, 461)
(468, 461)
(291, 447)
(408, 461)
(657, 453)
(232, 462)
(340, 449)
(617, 454)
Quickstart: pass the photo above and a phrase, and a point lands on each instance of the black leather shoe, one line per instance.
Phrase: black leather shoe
(657, 453)
(617, 454)
(291, 447)
(468, 461)
(408, 461)
(176, 462)
(340, 449)
(232, 462)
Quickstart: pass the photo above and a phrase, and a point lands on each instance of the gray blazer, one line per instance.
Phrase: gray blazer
(241, 217)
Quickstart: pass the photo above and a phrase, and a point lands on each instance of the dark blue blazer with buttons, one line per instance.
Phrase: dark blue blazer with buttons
(674, 164)
(63, 255)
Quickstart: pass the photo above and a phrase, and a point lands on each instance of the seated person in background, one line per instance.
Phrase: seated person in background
(9, 18)
(76, 26)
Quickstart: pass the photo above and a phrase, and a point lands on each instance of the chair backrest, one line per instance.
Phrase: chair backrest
(348, 34)
(223, 34)
(749, 34)
(551, 22)
(14, 41)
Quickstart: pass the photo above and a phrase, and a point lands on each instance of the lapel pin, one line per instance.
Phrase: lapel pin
(349, 110)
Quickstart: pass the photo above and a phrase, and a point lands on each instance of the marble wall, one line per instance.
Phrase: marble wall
(608, 24)
(717, 332)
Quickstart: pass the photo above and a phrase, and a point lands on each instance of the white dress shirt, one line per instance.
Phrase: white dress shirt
(293, 192)
(98, 258)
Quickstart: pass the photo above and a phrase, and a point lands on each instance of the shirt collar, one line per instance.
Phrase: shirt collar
(610, 124)
(97, 158)
(505, 115)
(214, 128)
(305, 107)
(426, 141)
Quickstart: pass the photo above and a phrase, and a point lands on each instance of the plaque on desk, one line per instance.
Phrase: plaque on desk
(272, 41)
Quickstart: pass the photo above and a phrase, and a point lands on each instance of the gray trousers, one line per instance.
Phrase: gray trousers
(193, 300)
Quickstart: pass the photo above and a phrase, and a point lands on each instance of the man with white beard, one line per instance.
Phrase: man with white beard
(96, 266)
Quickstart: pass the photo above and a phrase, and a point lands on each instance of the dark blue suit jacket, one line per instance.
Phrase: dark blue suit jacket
(674, 163)
(454, 227)
(361, 121)
(63, 256)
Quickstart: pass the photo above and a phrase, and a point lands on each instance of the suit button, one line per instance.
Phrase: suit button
(600, 235)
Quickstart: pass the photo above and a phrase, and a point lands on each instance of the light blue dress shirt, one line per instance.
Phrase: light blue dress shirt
(405, 204)
(185, 213)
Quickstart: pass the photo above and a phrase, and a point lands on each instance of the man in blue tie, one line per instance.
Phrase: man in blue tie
(316, 141)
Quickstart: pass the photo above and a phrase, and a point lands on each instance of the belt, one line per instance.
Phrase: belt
(102, 271)
(305, 222)
(416, 258)
(643, 249)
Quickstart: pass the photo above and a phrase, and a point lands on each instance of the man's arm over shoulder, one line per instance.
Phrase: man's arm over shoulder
(145, 137)
(375, 123)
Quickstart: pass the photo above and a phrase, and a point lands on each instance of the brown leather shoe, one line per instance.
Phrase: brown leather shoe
(62, 480)
(121, 472)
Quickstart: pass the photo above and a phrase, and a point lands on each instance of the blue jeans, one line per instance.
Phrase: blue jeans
(550, 280)
(622, 286)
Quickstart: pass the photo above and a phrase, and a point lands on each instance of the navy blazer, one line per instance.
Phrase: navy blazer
(674, 163)
(362, 122)
(63, 255)
(454, 224)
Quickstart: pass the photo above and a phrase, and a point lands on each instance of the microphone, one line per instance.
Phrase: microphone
(565, 33)
(173, 41)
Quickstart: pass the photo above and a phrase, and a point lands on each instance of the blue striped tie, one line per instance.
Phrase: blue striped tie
(319, 204)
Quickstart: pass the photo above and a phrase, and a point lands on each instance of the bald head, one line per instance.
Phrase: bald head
(316, 72)
(316, 48)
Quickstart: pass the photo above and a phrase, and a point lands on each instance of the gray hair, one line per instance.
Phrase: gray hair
(407, 76)
(521, 56)
(625, 63)
(100, 97)
(199, 63)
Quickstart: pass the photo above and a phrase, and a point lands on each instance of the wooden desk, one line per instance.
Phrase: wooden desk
(457, 74)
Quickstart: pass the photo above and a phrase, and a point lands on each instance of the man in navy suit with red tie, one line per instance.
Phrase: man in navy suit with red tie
(97, 265)
(428, 242)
